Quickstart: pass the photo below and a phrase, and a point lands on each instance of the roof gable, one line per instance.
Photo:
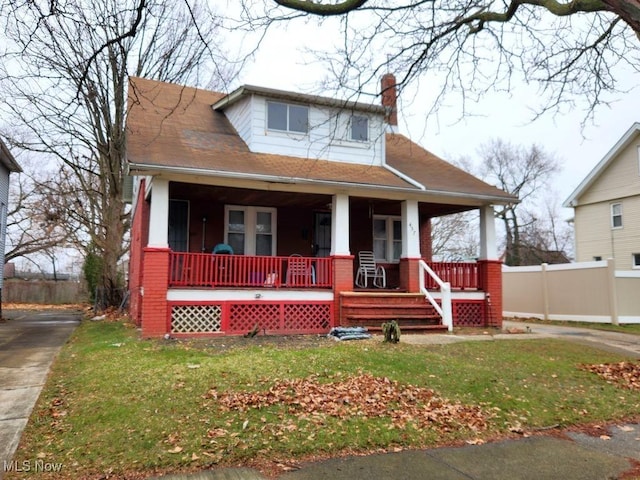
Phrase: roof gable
(625, 141)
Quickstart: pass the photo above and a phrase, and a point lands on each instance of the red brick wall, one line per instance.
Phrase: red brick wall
(491, 282)
(155, 313)
(139, 239)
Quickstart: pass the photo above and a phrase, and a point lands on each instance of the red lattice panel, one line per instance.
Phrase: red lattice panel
(469, 313)
(307, 317)
(243, 317)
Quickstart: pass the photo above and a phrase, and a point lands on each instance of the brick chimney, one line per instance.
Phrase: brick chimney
(389, 97)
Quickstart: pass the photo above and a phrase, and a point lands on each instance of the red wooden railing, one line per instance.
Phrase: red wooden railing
(208, 270)
(461, 275)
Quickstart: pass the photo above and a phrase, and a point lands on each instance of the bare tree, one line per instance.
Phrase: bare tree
(573, 50)
(523, 172)
(453, 238)
(63, 82)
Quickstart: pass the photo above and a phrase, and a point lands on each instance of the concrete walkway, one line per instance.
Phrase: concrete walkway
(29, 342)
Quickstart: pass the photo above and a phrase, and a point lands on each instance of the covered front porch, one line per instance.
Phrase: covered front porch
(294, 261)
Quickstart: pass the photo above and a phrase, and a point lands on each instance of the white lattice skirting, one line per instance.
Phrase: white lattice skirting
(196, 319)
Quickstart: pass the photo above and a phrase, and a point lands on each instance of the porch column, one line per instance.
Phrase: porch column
(410, 256)
(155, 275)
(340, 253)
(340, 225)
(490, 268)
(488, 248)
(159, 216)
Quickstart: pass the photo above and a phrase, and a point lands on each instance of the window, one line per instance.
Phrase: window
(359, 128)
(597, 258)
(616, 215)
(288, 118)
(178, 236)
(636, 260)
(251, 230)
(387, 238)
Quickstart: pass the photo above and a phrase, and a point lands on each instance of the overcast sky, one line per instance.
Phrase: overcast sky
(281, 63)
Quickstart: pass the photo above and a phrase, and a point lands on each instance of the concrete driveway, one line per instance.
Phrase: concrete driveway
(29, 342)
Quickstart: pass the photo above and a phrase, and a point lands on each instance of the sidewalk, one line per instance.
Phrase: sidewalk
(29, 342)
(575, 456)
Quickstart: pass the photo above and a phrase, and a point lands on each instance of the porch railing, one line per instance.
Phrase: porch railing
(209, 270)
(444, 309)
(460, 275)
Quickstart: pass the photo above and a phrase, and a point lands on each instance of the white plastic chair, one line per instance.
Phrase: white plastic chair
(300, 271)
(367, 269)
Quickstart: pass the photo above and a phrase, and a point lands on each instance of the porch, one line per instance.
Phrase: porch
(235, 294)
(293, 269)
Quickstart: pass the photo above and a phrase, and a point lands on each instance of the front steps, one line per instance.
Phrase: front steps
(412, 311)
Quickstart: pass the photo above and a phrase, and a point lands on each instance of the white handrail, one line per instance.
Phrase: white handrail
(445, 288)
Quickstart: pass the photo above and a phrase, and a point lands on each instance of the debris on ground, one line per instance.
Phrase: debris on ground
(349, 333)
(624, 374)
(363, 396)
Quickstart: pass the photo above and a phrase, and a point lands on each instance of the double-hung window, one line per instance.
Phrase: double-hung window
(616, 215)
(387, 238)
(250, 230)
(287, 117)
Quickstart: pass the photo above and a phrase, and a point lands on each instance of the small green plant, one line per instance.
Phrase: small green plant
(391, 331)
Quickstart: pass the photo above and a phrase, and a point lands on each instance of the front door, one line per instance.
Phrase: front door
(322, 234)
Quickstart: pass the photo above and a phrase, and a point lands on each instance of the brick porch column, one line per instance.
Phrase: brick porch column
(491, 282)
(155, 283)
(409, 275)
(342, 282)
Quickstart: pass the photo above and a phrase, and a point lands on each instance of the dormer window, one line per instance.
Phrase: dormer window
(287, 117)
(359, 128)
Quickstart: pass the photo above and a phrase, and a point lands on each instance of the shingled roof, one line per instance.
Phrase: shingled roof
(174, 128)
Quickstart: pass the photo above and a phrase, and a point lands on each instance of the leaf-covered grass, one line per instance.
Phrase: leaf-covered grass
(121, 406)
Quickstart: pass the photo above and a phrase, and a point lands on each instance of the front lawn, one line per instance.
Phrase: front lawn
(119, 407)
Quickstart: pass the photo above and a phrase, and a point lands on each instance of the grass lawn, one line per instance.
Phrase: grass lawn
(116, 406)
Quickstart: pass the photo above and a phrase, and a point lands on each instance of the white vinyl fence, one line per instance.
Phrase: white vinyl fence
(585, 292)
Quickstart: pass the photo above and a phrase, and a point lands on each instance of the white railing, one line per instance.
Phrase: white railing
(445, 289)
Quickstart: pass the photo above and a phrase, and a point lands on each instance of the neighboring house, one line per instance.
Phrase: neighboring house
(8, 165)
(607, 206)
(295, 186)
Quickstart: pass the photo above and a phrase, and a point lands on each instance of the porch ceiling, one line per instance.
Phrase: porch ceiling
(243, 196)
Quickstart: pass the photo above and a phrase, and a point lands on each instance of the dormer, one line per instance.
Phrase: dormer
(306, 126)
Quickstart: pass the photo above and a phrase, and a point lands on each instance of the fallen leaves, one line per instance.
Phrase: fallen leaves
(364, 396)
(624, 374)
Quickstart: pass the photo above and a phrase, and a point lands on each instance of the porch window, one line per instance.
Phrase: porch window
(387, 238)
(616, 215)
(178, 236)
(250, 230)
(287, 117)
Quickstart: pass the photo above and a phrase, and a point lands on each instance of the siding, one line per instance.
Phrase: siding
(595, 237)
(4, 200)
(239, 114)
(620, 179)
(249, 118)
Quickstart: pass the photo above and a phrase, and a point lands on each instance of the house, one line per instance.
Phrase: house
(250, 210)
(606, 206)
(8, 165)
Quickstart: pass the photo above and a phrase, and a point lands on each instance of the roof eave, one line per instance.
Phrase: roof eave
(247, 90)
(147, 169)
(8, 159)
